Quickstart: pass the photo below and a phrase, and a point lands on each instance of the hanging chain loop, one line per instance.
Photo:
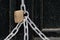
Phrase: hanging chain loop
(25, 23)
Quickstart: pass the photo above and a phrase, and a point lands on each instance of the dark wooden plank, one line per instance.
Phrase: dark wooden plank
(4, 21)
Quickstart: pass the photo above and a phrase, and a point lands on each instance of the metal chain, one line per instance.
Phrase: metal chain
(23, 7)
(26, 36)
(25, 23)
(14, 32)
(34, 27)
(22, 2)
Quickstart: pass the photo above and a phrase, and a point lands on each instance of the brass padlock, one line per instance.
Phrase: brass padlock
(18, 16)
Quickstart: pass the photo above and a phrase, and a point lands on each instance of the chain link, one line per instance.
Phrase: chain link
(23, 7)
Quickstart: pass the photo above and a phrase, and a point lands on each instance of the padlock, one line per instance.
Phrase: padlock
(18, 16)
